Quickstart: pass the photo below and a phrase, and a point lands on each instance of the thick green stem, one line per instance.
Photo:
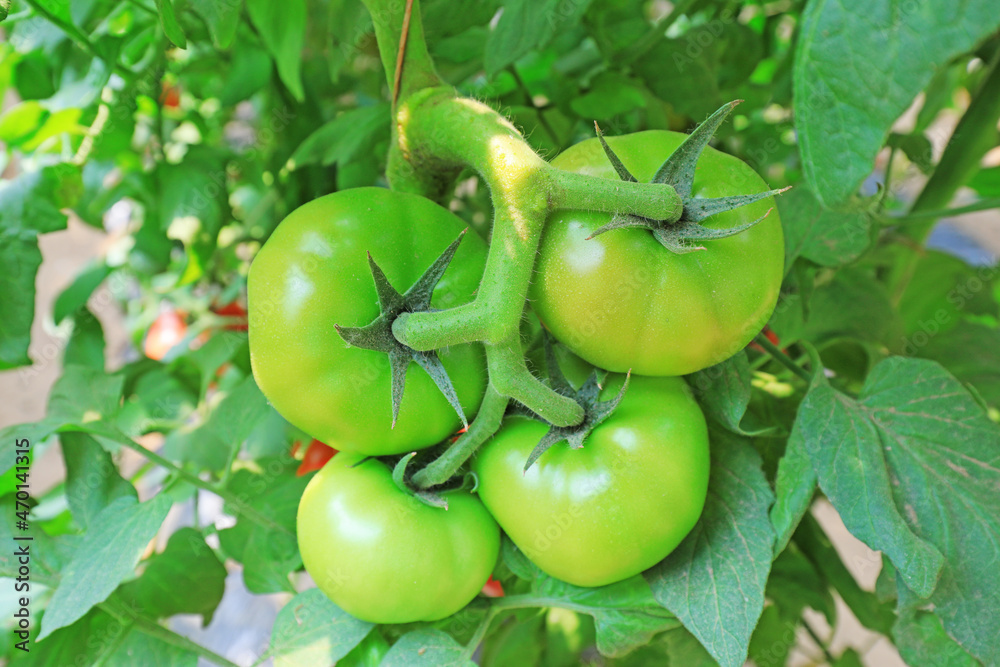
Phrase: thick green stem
(440, 132)
(974, 135)
(485, 424)
(572, 190)
(435, 135)
(511, 377)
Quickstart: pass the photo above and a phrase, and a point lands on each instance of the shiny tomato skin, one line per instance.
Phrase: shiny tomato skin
(313, 273)
(622, 301)
(385, 557)
(616, 507)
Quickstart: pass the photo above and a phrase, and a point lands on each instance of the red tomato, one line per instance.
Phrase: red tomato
(167, 330)
(492, 588)
(233, 309)
(315, 457)
(171, 96)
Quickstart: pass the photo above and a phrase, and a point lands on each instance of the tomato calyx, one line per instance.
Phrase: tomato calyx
(682, 236)
(378, 334)
(595, 410)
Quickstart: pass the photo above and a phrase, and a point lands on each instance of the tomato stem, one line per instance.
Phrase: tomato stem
(485, 424)
(435, 135)
(974, 135)
(781, 357)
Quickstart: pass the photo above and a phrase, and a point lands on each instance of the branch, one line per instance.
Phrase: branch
(974, 135)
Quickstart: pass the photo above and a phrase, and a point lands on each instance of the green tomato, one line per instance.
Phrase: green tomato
(614, 508)
(622, 301)
(385, 557)
(313, 273)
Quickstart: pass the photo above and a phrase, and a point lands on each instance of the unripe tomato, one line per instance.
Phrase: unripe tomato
(622, 301)
(313, 273)
(616, 507)
(385, 557)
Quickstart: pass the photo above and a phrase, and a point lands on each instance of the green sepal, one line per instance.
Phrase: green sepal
(399, 477)
(678, 169)
(679, 238)
(378, 334)
(620, 168)
(595, 411)
(683, 235)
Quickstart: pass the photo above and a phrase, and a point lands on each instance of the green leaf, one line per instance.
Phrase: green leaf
(794, 488)
(986, 182)
(858, 67)
(168, 20)
(516, 642)
(773, 639)
(19, 123)
(250, 71)
(526, 26)
(723, 390)
(625, 614)
(49, 555)
(714, 581)
(108, 556)
(848, 658)
(228, 426)
(29, 205)
(795, 584)
(219, 349)
(922, 640)
(100, 639)
(912, 466)
(222, 17)
(82, 395)
(610, 94)
(312, 630)
(685, 650)
(970, 352)
(917, 148)
(854, 305)
(4, 9)
(842, 437)
(943, 289)
(92, 478)
(21, 258)
(193, 205)
(187, 578)
(75, 296)
(268, 555)
(86, 343)
(821, 235)
(427, 648)
(282, 27)
(344, 138)
(685, 73)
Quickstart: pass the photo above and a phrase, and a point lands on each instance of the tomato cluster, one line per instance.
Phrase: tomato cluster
(589, 516)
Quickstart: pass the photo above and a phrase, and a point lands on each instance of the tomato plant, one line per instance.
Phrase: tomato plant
(379, 224)
(619, 505)
(622, 301)
(384, 556)
(313, 274)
